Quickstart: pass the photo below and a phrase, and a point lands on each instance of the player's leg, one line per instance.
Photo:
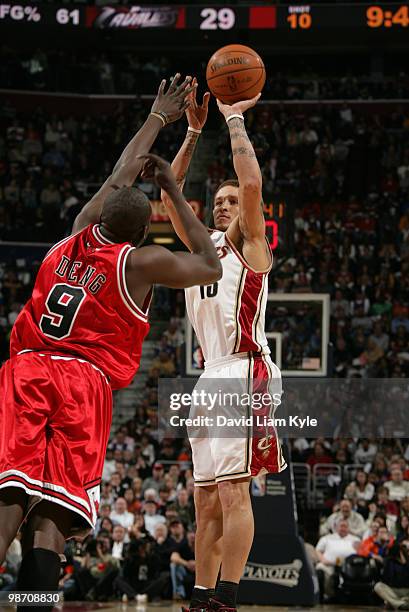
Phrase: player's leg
(208, 519)
(13, 502)
(47, 529)
(209, 533)
(238, 533)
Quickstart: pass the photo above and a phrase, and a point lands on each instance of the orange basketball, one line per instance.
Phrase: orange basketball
(235, 73)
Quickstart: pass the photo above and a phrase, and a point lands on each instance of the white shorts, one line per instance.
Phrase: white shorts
(217, 458)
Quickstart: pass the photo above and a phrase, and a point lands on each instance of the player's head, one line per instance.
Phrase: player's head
(226, 204)
(126, 214)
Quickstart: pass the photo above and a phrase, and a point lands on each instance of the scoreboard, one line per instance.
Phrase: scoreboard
(278, 213)
(299, 17)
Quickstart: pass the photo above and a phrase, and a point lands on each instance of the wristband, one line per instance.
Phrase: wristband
(236, 116)
(159, 116)
(194, 130)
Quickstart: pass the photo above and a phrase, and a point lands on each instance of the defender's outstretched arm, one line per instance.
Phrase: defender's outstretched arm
(168, 107)
(196, 116)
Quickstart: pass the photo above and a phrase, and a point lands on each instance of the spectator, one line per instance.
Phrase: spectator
(184, 508)
(376, 546)
(360, 491)
(397, 487)
(133, 504)
(368, 543)
(94, 578)
(332, 549)
(106, 527)
(365, 453)
(356, 523)
(104, 512)
(118, 542)
(156, 481)
(394, 587)
(121, 515)
(319, 455)
(151, 517)
(140, 579)
(182, 568)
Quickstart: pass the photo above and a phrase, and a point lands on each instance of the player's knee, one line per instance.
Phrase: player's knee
(47, 529)
(207, 506)
(234, 495)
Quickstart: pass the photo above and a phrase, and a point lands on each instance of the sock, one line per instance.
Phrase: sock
(226, 593)
(39, 571)
(200, 595)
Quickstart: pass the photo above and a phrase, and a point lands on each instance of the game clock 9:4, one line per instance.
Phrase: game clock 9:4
(378, 17)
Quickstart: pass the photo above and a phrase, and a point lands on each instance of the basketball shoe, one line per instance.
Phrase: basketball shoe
(218, 606)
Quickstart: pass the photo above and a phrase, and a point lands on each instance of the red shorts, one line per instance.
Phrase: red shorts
(55, 415)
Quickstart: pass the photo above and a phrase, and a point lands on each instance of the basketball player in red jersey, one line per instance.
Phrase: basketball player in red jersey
(80, 336)
(228, 318)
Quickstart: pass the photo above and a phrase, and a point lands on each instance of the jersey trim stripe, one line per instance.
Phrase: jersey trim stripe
(240, 287)
(248, 310)
(64, 358)
(123, 289)
(281, 463)
(258, 312)
(100, 237)
(42, 486)
(244, 262)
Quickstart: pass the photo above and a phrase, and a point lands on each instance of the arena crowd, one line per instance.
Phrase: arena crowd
(348, 170)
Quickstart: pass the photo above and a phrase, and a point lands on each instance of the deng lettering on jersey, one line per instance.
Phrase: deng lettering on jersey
(73, 271)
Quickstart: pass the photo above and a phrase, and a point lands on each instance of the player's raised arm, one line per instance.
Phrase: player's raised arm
(196, 115)
(249, 233)
(157, 265)
(167, 107)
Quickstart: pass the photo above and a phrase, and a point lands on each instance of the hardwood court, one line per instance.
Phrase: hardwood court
(169, 607)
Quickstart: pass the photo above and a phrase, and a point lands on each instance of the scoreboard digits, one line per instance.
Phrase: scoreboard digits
(217, 19)
(296, 18)
(65, 16)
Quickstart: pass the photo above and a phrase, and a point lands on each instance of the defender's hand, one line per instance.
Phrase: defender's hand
(197, 114)
(158, 170)
(239, 107)
(173, 102)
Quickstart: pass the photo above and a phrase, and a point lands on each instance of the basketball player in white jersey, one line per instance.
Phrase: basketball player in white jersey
(228, 319)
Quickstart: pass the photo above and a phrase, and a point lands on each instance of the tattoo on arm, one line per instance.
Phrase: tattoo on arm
(191, 139)
(243, 151)
(237, 130)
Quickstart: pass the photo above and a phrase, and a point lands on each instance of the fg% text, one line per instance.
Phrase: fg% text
(17, 12)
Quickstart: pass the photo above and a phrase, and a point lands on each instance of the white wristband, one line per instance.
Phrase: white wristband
(194, 130)
(236, 116)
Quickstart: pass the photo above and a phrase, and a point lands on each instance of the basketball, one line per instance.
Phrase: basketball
(235, 73)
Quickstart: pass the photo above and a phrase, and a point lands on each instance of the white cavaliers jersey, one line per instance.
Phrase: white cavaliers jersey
(228, 317)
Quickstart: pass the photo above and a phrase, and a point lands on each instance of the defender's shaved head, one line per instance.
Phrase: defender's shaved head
(126, 214)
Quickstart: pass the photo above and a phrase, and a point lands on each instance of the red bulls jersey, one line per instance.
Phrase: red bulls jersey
(81, 306)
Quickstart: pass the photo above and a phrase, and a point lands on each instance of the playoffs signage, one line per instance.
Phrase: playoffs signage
(286, 574)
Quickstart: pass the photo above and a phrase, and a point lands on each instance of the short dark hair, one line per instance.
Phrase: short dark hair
(126, 212)
(227, 183)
